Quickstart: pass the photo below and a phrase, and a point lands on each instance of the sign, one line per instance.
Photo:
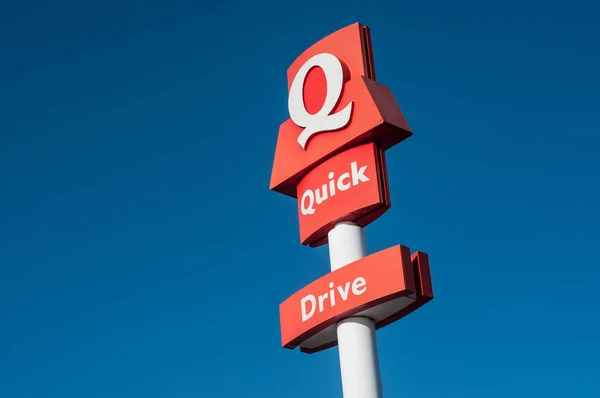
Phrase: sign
(330, 157)
(384, 286)
(347, 187)
(334, 104)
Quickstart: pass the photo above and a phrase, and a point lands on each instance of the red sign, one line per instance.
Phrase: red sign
(330, 155)
(384, 286)
(348, 187)
(334, 104)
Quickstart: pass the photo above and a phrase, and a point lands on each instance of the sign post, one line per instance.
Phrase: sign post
(359, 361)
(330, 156)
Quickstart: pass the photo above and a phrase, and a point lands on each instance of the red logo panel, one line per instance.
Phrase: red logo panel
(334, 104)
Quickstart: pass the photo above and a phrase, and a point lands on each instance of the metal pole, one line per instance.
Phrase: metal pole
(359, 362)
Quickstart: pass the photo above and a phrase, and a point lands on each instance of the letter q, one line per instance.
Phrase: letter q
(306, 210)
(323, 120)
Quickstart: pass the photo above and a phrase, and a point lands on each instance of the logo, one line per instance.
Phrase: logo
(323, 120)
(334, 104)
(351, 186)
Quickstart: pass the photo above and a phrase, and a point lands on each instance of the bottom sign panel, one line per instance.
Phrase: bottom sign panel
(384, 286)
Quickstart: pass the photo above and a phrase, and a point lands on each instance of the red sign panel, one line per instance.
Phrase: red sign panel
(384, 286)
(334, 104)
(347, 187)
(330, 156)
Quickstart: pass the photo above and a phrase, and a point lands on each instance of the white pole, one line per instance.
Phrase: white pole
(359, 362)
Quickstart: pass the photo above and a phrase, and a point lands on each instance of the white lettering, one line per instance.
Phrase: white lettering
(358, 175)
(322, 195)
(344, 292)
(323, 120)
(328, 300)
(331, 295)
(340, 183)
(331, 184)
(322, 298)
(345, 181)
(306, 210)
(310, 298)
(359, 283)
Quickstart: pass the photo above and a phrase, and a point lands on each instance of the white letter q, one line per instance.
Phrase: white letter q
(306, 210)
(321, 121)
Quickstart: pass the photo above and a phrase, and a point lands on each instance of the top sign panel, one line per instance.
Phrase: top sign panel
(334, 104)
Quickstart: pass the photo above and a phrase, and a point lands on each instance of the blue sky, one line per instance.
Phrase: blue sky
(143, 255)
